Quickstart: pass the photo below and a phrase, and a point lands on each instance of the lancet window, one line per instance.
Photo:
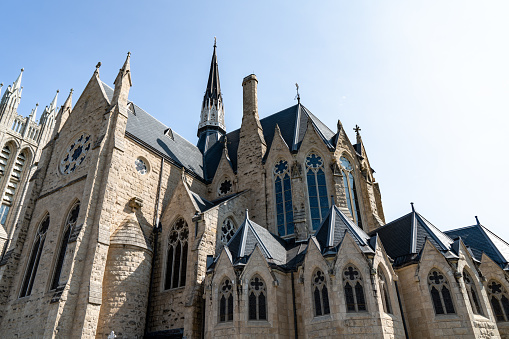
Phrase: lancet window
(440, 293)
(226, 301)
(320, 294)
(14, 180)
(35, 256)
(384, 291)
(284, 206)
(472, 293)
(70, 225)
(257, 299)
(350, 191)
(227, 231)
(354, 292)
(317, 189)
(176, 260)
(499, 300)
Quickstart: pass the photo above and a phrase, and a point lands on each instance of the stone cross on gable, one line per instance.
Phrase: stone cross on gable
(256, 284)
(351, 273)
(357, 129)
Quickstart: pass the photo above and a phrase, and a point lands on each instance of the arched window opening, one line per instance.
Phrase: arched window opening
(225, 301)
(227, 231)
(472, 293)
(70, 224)
(499, 300)
(35, 256)
(317, 189)
(176, 261)
(284, 206)
(350, 190)
(354, 292)
(4, 159)
(384, 291)
(440, 293)
(14, 181)
(320, 294)
(257, 299)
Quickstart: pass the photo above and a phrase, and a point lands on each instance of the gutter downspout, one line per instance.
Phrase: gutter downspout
(295, 310)
(155, 230)
(401, 310)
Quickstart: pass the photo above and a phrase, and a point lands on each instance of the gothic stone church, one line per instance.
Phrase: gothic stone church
(273, 230)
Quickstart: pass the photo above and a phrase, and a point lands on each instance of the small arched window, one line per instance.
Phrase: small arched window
(354, 292)
(284, 206)
(440, 293)
(350, 191)
(384, 291)
(176, 260)
(317, 189)
(320, 294)
(70, 224)
(499, 300)
(227, 231)
(4, 159)
(472, 293)
(35, 256)
(226, 301)
(257, 299)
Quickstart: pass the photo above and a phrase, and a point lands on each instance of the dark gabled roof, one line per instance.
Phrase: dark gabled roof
(480, 239)
(248, 236)
(404, 238)
(334, 227)
(292, 122)
(148, 130)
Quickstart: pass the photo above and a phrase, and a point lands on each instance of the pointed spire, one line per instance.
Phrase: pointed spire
(17, 84)
(213, 91)
(34, 112)
(53, 104)
(68, 102)
(122, 84)
(1, 85)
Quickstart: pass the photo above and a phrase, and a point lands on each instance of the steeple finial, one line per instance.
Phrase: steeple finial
(215, 42)
(358, 135)
(33, 112)
(17, 83)
(247, 214)
(298, 95)
(413, 209)
(122, 84)
(53, 105)
(477, 221)
(68, 102)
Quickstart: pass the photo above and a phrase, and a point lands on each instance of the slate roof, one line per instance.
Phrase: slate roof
(291, 121)
(480, 239)
(148, 130)
(333, 229)
(404, 238)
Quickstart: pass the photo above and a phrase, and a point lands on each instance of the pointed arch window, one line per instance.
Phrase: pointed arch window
(257, 299)
(35, 256)
(350, 190)
(226, 301)
(320, 294)
(284, 206)
(176, 260)
(499, 300)
(384, 291)
(13, 183)
(472, 293)
(70, 225)
(317, 189)
(354, 292)
(227, 231)
(440, 293)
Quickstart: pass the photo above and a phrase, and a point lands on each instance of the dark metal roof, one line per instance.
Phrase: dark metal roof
(213, 92)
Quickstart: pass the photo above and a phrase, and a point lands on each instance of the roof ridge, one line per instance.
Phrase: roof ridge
(459, 229)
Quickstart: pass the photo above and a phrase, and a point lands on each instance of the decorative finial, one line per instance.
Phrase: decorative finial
(23, 69)
(37, 104)
(214, 41)
(247, 214)
(357, 129)
(72, 90)
(98, 65)
(413, 209)
(58, 91)
(298, 95)
(340, 125)
(128, 54)
(477, 220)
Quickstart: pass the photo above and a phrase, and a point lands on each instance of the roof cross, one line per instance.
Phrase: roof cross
(357, 129)
(298, 95)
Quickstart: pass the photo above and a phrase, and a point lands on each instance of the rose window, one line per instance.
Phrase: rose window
(76, 153)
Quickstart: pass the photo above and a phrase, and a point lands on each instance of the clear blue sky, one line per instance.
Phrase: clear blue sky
(426, 81)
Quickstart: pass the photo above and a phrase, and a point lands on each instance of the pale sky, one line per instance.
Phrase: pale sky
(426, 81)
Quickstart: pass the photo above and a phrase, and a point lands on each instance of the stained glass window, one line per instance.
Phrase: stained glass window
(257, 299)
(317, 189)
(225, 187)
(141, 167)
(35, 256)
(499, 300)
(76, 153)
(226, 301)
(70, 224)
(440, 293)
(384, 291)
(350, 190)
(472, 293)
(320, 294)
(284, 206)
(354, 292)
(227, 231)
(176, 260)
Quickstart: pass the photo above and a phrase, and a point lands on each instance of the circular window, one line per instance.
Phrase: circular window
(141, 166)
(76, 153)
(225, 187)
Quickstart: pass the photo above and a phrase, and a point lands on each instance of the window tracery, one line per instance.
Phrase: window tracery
(35, 256)
(499, 300)
(227, 231)
(440, 293)
(257, 299)
(472, 293)
(384, 291)
(76, 154)
(350, 190)
(176, 260)
(226, 301)
(354, 292)
(320, 294)
(317, 189)
(284, 205)
(225, 187)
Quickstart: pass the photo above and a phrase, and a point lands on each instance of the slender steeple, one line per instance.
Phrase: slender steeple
(12, 95)
(211, 127)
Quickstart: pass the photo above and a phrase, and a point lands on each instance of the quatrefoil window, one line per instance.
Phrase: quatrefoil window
(76, 153)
